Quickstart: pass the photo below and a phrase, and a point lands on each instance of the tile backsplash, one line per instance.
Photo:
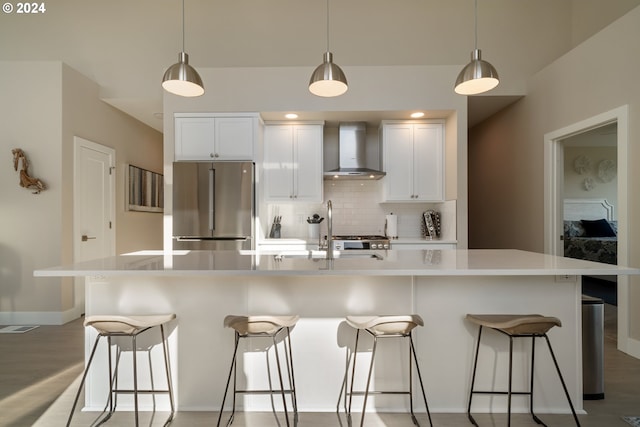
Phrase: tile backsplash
(357, 210)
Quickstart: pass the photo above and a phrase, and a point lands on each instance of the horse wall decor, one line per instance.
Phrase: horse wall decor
(26, 181)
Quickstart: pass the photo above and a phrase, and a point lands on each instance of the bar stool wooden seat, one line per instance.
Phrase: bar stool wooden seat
(265, 327)
(392, 326)
(516, 326)
(110, 326)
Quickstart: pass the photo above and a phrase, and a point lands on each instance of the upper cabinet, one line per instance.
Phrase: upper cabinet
(413, 158)
(293, 162)
(214, 137)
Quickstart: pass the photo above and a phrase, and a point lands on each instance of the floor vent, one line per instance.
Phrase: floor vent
(16, 329)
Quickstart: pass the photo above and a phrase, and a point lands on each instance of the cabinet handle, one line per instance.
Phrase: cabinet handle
(85, 238)
(212, 155)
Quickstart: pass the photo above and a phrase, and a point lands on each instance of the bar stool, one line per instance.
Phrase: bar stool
(517, 326)
(263, 327)
(126, 326)
(378, 327)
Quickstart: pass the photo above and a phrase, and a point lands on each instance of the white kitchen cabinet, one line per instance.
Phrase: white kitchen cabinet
(293, 162)
(211, 137)
(413, 158)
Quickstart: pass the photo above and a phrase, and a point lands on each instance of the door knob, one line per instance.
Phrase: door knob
(85, 238)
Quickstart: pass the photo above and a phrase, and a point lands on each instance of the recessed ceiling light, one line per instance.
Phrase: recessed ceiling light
(417, 115)
(291, 116)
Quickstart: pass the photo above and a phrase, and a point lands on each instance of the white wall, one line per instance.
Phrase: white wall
(574, 182)
(45, 104)
(30, 233)
(507, 152)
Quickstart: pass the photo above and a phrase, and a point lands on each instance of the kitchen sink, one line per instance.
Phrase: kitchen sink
(323, 255)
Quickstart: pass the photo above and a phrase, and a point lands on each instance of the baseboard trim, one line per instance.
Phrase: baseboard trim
(633, 347)
(39, 317)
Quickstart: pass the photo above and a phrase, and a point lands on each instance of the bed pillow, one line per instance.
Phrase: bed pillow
(597, 228)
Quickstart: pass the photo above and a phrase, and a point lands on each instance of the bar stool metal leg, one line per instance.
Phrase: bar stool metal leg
(366, 390)
(473, 378)
(353, 374)
(564, 385)
(424, 396)
(284, 399)
(226, 389)
(84, 377)
(292, 380)
(167, 368)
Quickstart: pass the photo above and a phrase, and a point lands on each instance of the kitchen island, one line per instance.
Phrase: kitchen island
(202, 287)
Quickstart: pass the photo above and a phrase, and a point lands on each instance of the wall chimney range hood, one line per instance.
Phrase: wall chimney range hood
(352, 146)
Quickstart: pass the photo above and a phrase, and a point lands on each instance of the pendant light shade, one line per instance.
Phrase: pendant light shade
(181, 78)
(328, 79)
(477, 76)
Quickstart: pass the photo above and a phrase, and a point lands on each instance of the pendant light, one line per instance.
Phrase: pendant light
(181, 78)
(477, 76)
(328, 79)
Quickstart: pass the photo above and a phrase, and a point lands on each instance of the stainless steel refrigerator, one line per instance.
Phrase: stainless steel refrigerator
(213, 205)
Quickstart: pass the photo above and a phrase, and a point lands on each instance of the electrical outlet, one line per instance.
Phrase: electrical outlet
(566, 278)
(300, 218)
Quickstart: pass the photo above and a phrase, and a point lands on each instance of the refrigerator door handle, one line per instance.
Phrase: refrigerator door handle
(212, 199)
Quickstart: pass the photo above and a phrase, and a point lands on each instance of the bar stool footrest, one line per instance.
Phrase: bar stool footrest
(362, 393)
(140, 391)
(265, 391)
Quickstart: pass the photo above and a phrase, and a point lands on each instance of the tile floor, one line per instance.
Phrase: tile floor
(40, 369)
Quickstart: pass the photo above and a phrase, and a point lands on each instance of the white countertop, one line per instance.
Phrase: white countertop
(477, 262)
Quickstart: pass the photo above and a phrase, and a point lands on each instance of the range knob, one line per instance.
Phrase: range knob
(386, 246)
(374, 246)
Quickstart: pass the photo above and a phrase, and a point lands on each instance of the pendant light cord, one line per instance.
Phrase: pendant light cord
(475, 18)
(328, 50)
(183, 25)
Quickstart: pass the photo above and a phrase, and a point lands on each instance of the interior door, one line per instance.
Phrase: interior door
(94, 206)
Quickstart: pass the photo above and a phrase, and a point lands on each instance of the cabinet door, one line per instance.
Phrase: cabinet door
(307, 183)
(234, 138)
(278, 163)
(194, 138)
(398, 162)
(428, 162)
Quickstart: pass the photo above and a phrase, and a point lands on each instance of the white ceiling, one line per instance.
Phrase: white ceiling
(125, 45)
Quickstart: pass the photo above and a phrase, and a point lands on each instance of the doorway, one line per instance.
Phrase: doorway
(554, 200)
(93, 207)
(591, 194)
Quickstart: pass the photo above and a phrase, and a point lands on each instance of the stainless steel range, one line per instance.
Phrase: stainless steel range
(373, 242)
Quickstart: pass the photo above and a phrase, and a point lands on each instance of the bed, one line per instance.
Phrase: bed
(590, 231)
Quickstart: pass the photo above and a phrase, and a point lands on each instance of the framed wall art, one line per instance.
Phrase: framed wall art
(145, 190)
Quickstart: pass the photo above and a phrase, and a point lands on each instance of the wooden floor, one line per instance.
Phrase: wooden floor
(40, 369)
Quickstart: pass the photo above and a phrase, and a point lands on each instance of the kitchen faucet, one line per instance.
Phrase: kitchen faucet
(329, 230)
